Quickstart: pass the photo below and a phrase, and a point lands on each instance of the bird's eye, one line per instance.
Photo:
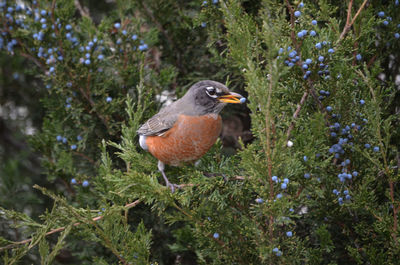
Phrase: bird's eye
(211, 91)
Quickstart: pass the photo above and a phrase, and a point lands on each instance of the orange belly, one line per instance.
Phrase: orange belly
(188, 140)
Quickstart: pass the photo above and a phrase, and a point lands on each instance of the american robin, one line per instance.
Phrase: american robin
(185, 130)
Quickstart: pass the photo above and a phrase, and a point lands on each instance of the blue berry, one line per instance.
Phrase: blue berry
(348, 197)
(143, 47)
(329, 108)
(283, 186)
(203, 24)
(289, 233)
(362, 102)
(286, 180)
(305, 158)
(314, 22)
(85, 183)
(292, 54)
(307, 175)
(117, 25)
(134, 37)
(300, 34)
(318, 45)
(381, 14)
(385, 22)
(367, 146)
(68, 27)
(43, 12)
(397, 35)
(124, 32)
(313, 33)
(100, 57)
(279, 195)
(275, 250)
(321, 58)
(87, 61)
(376, 148)
(215, 2)
(334, 191)
(64, 140)
(305, 66)
(308, 61)
(358, 57)
(73, 147)
(216, 235)
(274, 178)
(259, 200)
(73, 181)
(79, 138)
(59, 138)
(109, 99)
(331, 50)
(297, 13)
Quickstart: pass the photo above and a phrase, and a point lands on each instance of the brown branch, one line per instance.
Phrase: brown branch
(95, 219)
(82, 10)
(348, 22)
(349, 12)
(395, 209)
(292, 33)
(34, 60)
(92, 104)
(296, 114)
(84, 156)
(53, 5)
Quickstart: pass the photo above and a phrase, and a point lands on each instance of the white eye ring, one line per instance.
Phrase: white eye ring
(211, 92)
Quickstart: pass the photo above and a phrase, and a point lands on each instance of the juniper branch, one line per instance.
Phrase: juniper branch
(57, 230)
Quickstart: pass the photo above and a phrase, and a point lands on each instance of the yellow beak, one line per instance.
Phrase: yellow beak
(232, 97)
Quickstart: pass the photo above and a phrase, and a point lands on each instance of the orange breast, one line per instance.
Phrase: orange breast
(188, 140)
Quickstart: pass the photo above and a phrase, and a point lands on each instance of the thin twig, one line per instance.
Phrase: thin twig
(85, 157)
(292, 33)
(83, 11)
(348, 22)
(53, 6)
(296, 113)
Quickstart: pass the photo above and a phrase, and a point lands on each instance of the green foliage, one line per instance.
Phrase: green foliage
(306, 190)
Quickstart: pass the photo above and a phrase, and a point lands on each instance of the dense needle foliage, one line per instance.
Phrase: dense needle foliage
(316, 183)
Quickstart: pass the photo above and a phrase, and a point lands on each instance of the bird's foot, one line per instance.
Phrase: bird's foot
(172, 186)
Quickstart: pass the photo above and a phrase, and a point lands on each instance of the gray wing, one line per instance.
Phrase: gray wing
(158, 124)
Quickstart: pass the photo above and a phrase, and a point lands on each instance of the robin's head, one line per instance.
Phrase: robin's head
(211, 96)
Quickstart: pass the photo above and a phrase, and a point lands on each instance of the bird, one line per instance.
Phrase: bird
(186, 129)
